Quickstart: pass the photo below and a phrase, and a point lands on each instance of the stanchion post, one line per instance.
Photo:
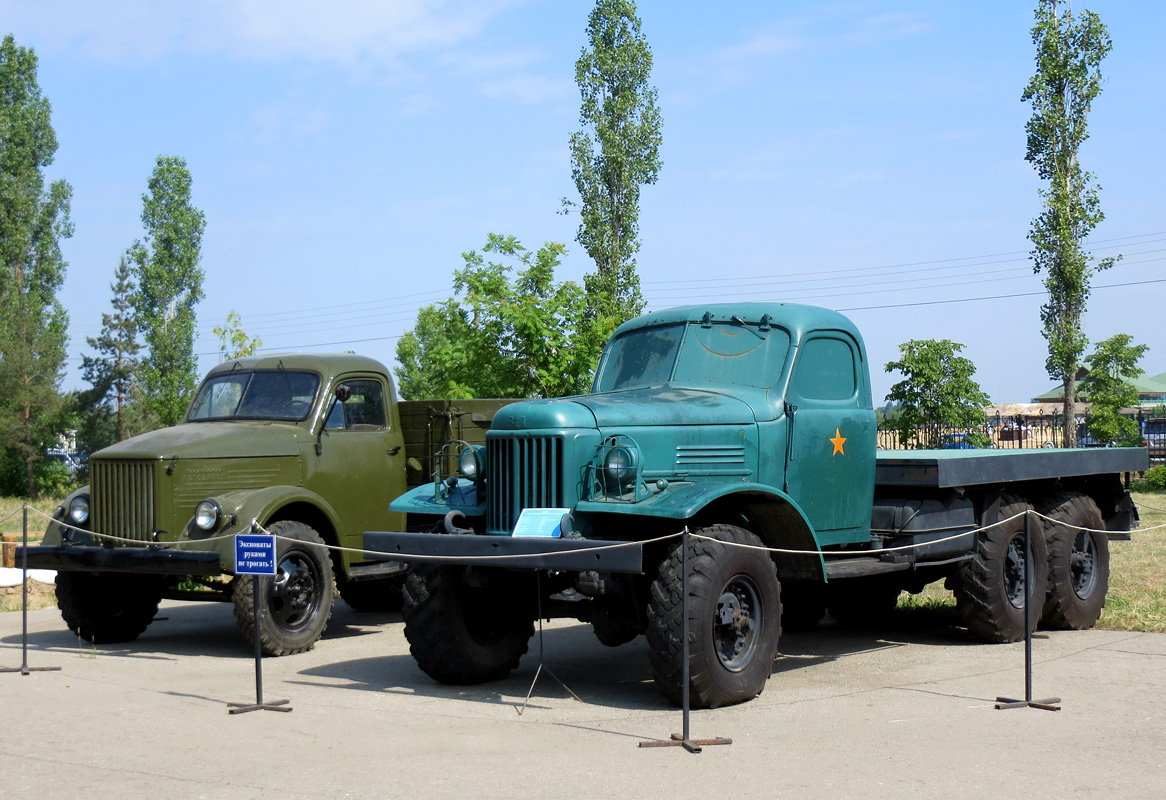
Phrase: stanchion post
(1051, 703)
(24, 669)
(256, 602)
(683, 739)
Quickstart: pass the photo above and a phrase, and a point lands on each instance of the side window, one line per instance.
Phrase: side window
(826, 370)
(364, 410)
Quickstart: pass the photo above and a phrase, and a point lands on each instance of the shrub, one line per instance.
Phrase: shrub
(1153, 480)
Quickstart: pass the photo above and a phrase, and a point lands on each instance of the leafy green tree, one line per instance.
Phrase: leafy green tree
(1113, 363)
(169, 285)
(620, 118)
(111, 372)
(233, 340)
(1069, 51)
(33, 219)
(496, 338)
(937, 394)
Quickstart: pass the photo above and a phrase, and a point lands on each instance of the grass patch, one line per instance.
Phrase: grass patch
(1137, 573)
(11, 518)
(12, 524)
(1137, 579)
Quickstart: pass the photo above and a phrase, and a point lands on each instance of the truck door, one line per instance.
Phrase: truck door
(832, 436)
(361, 459)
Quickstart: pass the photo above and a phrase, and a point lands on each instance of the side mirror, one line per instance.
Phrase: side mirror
(343, 392)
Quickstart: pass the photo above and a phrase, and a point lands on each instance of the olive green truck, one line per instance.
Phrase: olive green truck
(310, 447)
(751, 426)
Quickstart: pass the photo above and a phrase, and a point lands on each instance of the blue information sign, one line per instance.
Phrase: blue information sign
(254, 554)
(541, 522)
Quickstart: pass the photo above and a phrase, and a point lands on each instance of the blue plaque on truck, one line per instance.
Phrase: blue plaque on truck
(254, 554)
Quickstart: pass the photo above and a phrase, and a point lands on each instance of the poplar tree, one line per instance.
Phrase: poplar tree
(34, 217)
(1069, 51)
(615, 153)
(169, 285)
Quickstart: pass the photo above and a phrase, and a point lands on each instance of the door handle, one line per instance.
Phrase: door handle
(394, 450)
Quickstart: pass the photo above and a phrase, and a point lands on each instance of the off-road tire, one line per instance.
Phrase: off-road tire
(734, 619)
(461, 634)
(297, 600)
(1078, 562)
(108, 608)
(989, 589)
(375, 594)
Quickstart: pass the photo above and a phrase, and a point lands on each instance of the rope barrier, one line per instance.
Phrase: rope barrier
(600, 548)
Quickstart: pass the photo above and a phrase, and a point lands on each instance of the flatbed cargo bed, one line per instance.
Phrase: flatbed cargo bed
(944, 469)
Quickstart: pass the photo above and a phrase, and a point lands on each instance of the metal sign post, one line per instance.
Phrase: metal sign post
(24, 669)
(255, 556)
(1051, 703)
(683, 739)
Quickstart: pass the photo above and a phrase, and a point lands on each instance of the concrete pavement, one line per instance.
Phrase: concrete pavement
(899, 713)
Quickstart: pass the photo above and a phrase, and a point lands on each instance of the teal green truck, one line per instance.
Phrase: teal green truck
(751, 426)
(310, 447)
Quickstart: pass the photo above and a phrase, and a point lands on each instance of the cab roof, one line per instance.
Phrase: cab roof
(323, 363)
(795, 318)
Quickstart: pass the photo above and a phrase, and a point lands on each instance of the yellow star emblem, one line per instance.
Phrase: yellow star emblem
(838, 441)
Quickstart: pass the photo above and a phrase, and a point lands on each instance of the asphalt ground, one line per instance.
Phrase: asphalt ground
(906, 712)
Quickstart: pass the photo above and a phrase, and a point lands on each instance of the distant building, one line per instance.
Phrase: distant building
(1151, 391)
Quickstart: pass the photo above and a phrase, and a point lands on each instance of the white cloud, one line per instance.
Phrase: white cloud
(527, 88)
(342, 31)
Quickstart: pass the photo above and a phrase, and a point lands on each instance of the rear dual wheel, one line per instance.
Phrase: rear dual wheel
(993, 588)
(1078, 547)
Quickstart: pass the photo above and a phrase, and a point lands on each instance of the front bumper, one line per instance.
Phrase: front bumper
(505, 551)
(142, 560)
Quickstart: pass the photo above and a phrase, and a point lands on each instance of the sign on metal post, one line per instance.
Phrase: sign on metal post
(255, 556)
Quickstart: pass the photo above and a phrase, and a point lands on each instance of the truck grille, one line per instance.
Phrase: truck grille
(122, 499)
(525, 472)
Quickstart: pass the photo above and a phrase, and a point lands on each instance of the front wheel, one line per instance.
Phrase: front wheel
(734, 619)
(464, 634)
(296, 601)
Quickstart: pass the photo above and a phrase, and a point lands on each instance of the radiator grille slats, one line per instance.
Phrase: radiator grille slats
(122, 499)
(525, 472)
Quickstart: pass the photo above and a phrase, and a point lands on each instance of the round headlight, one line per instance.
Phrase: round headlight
(79, 509)
(207, 514)
(620, 464)
(467, 463)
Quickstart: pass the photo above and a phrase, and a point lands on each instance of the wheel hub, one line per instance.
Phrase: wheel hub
(1083, 565)
(1014, 573)
(294, 592)
(736, 623)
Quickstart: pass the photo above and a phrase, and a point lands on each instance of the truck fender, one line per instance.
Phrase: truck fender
(260, 505)
(423, 499)
(775, 517)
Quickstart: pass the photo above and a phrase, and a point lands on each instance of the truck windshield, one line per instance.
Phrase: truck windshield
(734, 352)
(259, 394)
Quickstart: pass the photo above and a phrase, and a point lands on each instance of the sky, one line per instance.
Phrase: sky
(863, 156)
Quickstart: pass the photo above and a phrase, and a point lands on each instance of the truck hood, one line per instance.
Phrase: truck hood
(666, 405)
(210, 440)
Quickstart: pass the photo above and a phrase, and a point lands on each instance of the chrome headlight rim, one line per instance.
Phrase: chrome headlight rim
(208, 515)
(78, 511)
(619, 464)
(471, 463)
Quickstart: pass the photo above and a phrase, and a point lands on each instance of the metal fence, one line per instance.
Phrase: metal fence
(1019, 432)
